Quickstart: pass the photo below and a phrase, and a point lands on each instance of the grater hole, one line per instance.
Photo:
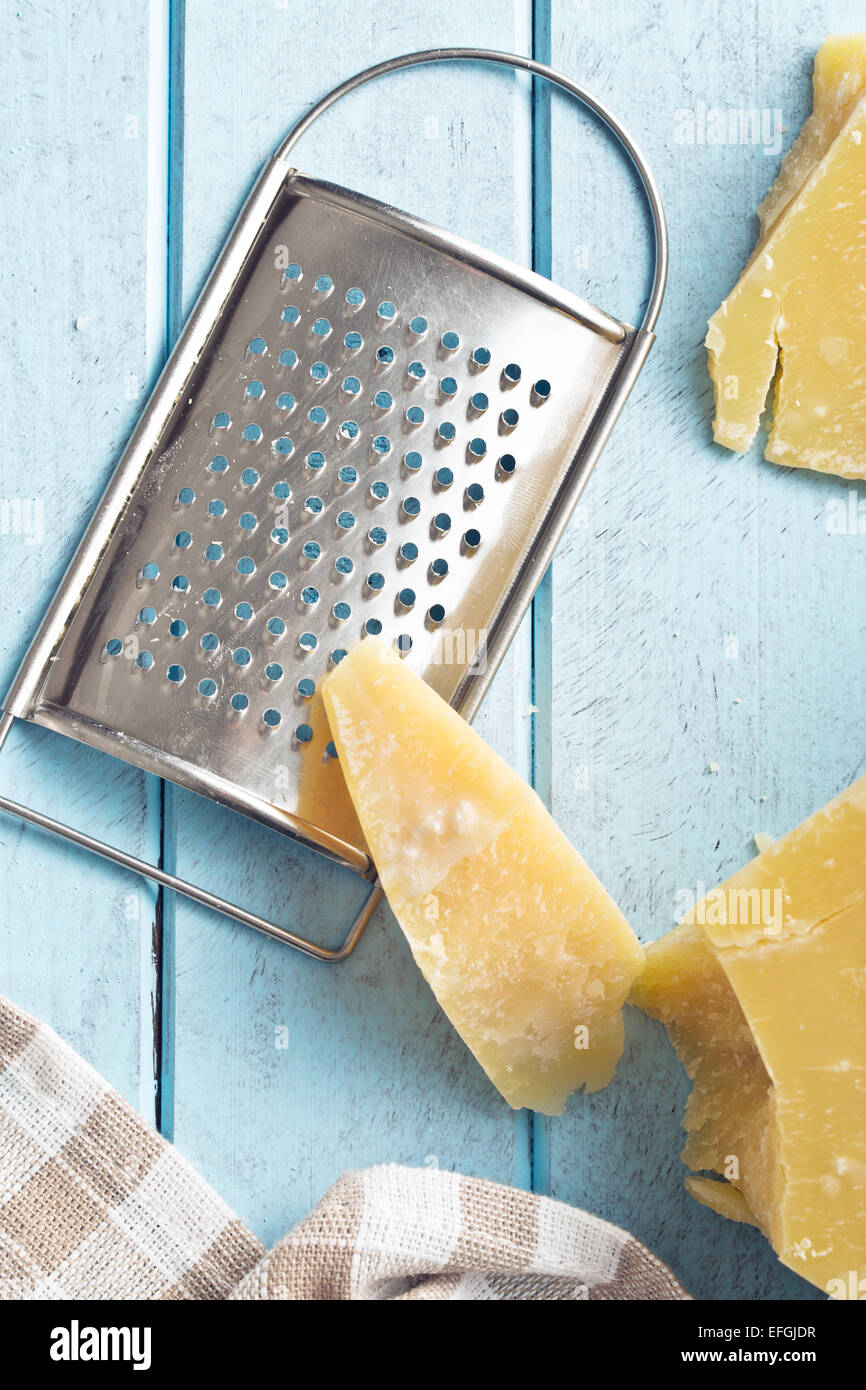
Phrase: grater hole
(315, 460)
(508, 421)
(383, 400)
(185, 497)
(471, 541)
(385, 356)
(183, 540)
(178, 628)
(207, 688)
(341, 612)
(324, 284)
(221, 421)
(212, 598)
(353, 341)
(478, 403)
(435, 615)
(403, 644)
(288, 358)
(249, 477)
(414, 416)
(348, 475)
(306, 688)
(449, 341)
(144, 661)
(313, 505)
(180, 583)
(511, 375)
(257, 347)
(293, 274)
(218, 464)
(320, 371)
(416, 371)
(480, 359)
(351, 385)
(243, 612)
(437, 571)
(413, 461)
(345, 521)
(113, 647)
(476, 450)
(445, 433)
(311, 551)
(441, 524)
(291, 315)
(506, 466)
(274, 671)
(248, 521)
(210, 642)
(381, 445)
(321, 328)
(241, 656)
(309, 596)
(216, 507)
(213, 552)
(318, 416)
(240, 703)
(447, 388)
(343, 565)
(277, 581)
(331, 749)
(355, 297)
(379, 491)
(408, 553)
(410, 507)
(272, 718)
(246, 566)
(254, 390)
(372, 627)
(337, 656)
(348, 431)
(276, 628)
(308, 641)
(442, 479)
(286, 402)
(280, 535)
(377, 536)
(474, 495)
(540, 392)
(375, 582)
(405, 600)
(176, 674)
(147, 616)
(387, 311)
(418, 326)
(303, 734)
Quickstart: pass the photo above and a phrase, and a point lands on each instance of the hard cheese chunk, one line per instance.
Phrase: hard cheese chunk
(525, 951)
(800, 305)
(763, 993)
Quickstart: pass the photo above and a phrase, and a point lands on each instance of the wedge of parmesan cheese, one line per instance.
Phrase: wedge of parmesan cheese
(798, 310)
(524, 949)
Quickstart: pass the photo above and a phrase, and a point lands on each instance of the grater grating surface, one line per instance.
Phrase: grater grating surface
(368, 426)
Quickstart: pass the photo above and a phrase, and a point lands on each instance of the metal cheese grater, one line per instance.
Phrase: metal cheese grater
(368, 426)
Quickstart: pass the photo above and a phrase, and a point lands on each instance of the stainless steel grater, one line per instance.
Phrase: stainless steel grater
(368, 425)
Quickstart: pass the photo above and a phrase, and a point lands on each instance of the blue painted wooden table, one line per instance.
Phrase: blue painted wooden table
(699, 611)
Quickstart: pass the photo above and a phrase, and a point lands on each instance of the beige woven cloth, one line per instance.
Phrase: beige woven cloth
(95, 1205)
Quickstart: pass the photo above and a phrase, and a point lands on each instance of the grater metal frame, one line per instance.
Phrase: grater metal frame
(23, 694)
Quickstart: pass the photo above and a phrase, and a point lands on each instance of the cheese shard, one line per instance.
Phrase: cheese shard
(801, 301)
(838, 81)
(525, 951)
(763, 994)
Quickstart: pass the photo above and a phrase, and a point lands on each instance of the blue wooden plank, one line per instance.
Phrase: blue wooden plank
(287, 1071)
(79, 213)
(695, 597)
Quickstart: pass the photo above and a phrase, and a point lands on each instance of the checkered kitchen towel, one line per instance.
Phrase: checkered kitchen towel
(94, 1204)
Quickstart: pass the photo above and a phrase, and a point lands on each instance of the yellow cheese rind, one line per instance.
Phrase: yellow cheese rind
(524, 949)
(800, 305)
(763, 993)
